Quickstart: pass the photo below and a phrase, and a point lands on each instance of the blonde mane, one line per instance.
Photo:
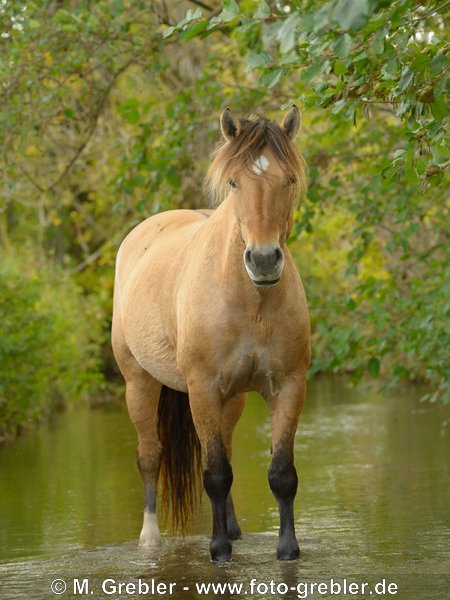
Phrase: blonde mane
(241, 152)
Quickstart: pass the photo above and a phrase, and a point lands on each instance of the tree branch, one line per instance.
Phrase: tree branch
(202, 5)
(92, 126)
(431, 12)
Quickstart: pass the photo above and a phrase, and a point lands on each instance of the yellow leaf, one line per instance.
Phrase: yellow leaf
(32, 151)
(48, 59)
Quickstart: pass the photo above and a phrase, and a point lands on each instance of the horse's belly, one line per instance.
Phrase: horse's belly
(148, 337)
(162, 367)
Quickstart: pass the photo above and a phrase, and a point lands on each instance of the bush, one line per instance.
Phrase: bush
(49, 343)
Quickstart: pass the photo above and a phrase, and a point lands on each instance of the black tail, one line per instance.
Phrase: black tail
(181, 459)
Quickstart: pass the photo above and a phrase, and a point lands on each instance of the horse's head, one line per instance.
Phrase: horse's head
(260, 171)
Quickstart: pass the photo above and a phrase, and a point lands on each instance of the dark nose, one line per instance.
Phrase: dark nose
(264, 260)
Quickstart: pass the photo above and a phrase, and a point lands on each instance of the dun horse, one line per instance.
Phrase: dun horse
(208, 305)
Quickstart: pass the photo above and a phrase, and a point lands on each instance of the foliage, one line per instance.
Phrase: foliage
(47, 356)
(385, 63)
(109, 112)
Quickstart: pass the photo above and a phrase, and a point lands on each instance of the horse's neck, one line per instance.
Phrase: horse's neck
(230, 249)
(228, 241)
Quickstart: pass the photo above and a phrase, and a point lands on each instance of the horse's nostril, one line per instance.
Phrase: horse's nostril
(278, 257)
(248, 257)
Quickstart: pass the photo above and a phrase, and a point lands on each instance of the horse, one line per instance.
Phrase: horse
(208, 305)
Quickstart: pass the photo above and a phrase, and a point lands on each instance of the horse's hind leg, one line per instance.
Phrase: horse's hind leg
(285, 409)
(142, 396)
(231, 414)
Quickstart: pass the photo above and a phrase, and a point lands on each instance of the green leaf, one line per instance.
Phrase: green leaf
(351, 14)
(390, 69)
(230, 11)
(258, 59)
(271, 78)
(406, 79)
(420, 62)
(339, 68)
(338, 106)
(286, 34)
(439, 62)
(373, 366)
(378, 43)
(343, 46)
(193, 31)
(439, 109)
(263, 11)
(292, 58)
(442, 86)
(63, 16)
(313, 71)
(360, 56)
(129, 111)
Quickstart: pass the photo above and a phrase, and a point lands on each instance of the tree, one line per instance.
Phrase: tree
(110, 111)
(373, 78)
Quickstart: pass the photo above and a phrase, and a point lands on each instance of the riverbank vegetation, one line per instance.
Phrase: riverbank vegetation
(109, 113)
(50, 338)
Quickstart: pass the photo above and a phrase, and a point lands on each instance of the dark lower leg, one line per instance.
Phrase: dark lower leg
(217, 481)
(234, 531)
(231, 412)
(283, 483)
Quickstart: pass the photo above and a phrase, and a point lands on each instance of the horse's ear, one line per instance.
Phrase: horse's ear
(229, 125)
(291, 122)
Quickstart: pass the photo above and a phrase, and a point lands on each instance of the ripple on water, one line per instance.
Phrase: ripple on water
(186, 563)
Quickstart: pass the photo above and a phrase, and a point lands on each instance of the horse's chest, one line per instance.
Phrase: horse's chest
(250, 367)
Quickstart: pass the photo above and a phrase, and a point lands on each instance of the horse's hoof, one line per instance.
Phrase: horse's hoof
(149, 539)
(220, 551)
(288, 551)
(150, 535)
(149, 543)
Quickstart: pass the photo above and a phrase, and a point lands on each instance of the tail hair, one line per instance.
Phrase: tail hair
(181, 460)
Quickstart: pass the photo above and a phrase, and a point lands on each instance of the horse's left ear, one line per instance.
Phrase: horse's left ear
(291, 122)
(229, 125)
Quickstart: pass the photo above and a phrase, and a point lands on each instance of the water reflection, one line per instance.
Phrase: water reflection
(373, 501)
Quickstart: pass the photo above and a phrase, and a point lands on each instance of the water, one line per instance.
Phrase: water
(373, 505)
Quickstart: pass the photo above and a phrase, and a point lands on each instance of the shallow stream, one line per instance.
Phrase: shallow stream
(373, 507)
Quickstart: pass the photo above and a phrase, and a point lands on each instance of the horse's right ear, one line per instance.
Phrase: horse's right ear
(229, 125)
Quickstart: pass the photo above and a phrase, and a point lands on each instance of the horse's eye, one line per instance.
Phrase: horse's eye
(233, 184)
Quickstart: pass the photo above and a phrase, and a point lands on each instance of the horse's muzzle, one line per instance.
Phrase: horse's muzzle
(264, 265)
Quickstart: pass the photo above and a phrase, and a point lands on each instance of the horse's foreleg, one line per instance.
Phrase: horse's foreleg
(231, 414)
(285, 409)
(217, 474)
(142, 394)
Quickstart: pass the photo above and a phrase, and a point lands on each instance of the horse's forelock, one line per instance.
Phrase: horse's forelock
(241, 152)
